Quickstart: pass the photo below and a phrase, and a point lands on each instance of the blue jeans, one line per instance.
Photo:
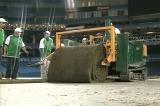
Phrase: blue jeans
(1, 53)
(12, 67)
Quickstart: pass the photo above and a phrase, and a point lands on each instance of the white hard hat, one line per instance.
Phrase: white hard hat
(2, 20)
(117, 31)
(99, 34)
(62, 45)
(18, 30)
(84, 39)
(47, 32)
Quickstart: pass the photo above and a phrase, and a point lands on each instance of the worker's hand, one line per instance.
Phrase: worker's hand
(4, 55)
(43, 60)
(27, 53)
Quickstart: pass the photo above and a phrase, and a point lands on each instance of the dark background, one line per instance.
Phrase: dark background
(143, 7)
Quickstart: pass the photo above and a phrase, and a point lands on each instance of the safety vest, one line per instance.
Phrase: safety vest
(14, 46)
(48, 45)
(1, 37)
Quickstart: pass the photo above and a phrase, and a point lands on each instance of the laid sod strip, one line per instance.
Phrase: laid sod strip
(24, 80)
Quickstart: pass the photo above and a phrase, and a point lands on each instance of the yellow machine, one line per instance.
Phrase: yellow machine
(115, 57)
(109, 45)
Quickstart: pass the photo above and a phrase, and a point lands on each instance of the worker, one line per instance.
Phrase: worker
(2, 21)
(62, 45)
(12, 47)
(98, 38)
(85, 40)
(117, 31)
(45, 47)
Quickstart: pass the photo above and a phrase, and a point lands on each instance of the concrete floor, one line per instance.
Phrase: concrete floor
(81, 94)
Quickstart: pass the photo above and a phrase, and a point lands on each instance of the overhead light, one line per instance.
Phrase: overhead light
(70, 3)
(150, 32)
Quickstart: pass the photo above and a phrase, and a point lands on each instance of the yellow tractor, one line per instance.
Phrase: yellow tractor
(106, 55)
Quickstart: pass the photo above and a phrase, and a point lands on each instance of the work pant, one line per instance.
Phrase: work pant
(44, 69)
(1, 53)
(12, 67)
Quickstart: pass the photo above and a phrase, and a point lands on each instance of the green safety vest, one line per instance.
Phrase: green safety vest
(1, 37)
(99, 41)
(14, 46)
(48, 45)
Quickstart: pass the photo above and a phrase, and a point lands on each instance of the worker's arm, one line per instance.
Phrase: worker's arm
(5, 50)
(25, 50)
(41, 50)
(49, 57)
(6, 45)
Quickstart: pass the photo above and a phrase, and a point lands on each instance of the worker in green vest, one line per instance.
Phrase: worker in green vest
(13, 45)
(2, 21)
(46, 45)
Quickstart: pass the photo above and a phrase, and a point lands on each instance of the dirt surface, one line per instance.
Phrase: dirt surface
(81, 94)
